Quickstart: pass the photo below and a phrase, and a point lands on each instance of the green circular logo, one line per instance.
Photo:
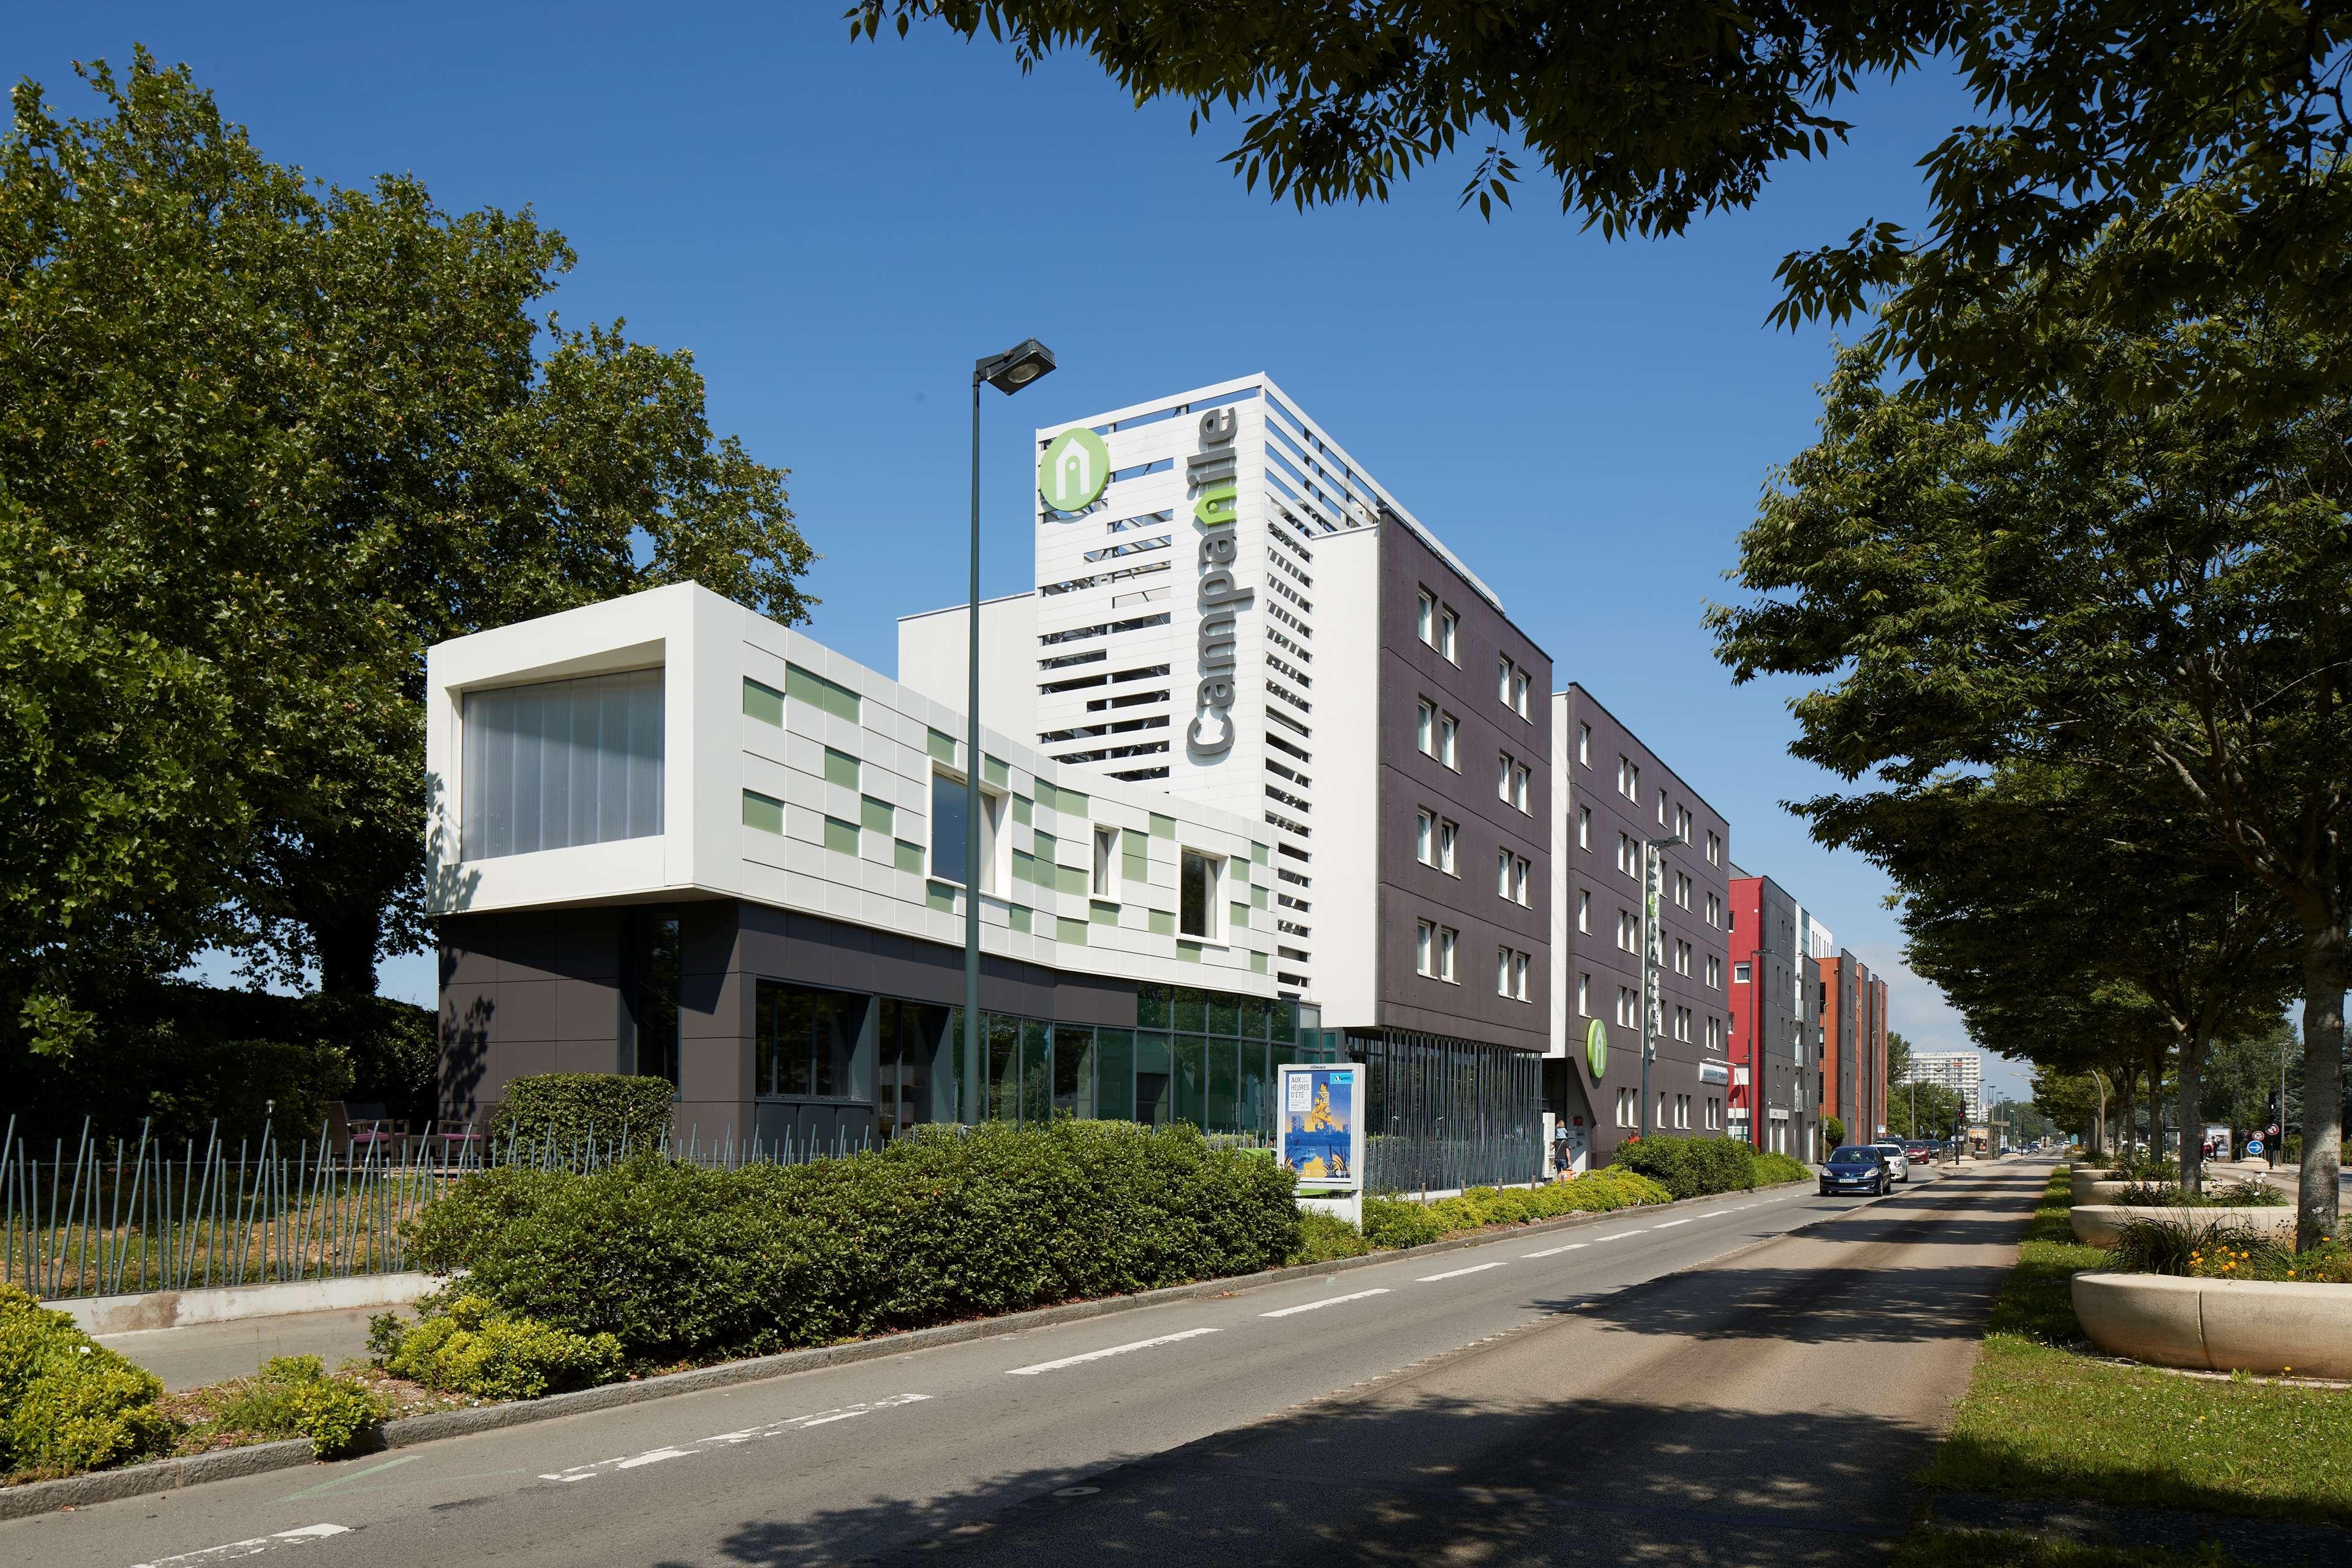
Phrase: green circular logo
(1596, 1048)
(1072, 473)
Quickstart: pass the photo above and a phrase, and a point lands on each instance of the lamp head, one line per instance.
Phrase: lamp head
(1016, 367)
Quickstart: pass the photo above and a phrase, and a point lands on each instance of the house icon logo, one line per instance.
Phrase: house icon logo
(1074, 471)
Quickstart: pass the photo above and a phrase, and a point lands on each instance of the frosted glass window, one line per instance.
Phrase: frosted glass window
(561, 763)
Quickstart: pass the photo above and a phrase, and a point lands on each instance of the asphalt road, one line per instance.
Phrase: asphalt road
(1702, 1388)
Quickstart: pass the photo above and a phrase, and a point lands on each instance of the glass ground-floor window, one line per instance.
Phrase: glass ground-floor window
(805, 1041)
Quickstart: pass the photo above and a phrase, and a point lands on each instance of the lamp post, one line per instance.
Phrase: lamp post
(1008, 372)
(1652, 874)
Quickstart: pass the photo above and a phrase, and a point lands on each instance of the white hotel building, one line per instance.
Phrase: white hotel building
(1107, 645)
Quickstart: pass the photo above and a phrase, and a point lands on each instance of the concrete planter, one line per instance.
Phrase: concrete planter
(2218, 1325)
(2084, 1177)
(2098, 1225)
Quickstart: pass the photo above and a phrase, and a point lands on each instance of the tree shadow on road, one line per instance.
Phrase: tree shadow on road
(1416, 1479)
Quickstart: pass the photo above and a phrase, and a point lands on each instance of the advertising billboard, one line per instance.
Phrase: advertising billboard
(1320, 1136)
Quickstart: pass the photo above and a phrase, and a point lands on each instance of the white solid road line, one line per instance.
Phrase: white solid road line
(1327, 1301)
(253, 1548)
(1556, 1251)
(1115, 1350)
(728, 1440)
(1457, 1273)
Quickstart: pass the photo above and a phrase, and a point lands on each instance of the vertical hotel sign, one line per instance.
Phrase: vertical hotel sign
(1213, 478)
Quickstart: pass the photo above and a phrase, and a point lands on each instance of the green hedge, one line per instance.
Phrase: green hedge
(572, 1107)
(678, 1262)
(67, 1402)
(467, 1345)
(1693, 1167)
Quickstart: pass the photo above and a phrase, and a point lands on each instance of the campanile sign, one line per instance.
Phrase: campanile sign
(1212, 477)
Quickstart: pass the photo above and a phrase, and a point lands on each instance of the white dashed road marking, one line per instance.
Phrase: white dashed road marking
(1327, 1301)
(1623, 1233)
(1556, 1251)
(1670, 1225)
(1115, 1350)
(1457, 1273)
(728, 1440)
(253, 1548)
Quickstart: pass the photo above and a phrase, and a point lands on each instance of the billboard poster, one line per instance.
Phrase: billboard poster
(1320, 1136)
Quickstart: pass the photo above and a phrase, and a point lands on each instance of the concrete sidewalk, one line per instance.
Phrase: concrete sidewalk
(207, 1352)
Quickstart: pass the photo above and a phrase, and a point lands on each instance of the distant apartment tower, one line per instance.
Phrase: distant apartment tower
(1613, 793)
(1775, 1103)
(1240, 615)
(1960, 1071)
(1853, 1004)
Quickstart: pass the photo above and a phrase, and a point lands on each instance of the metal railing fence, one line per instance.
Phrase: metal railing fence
(125, 1216)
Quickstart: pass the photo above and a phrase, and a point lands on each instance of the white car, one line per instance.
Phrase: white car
(1896, 1161)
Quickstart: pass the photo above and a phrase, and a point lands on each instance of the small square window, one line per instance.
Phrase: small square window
(1448, 732)
(1584, 744)
(1446, 622)
(1425, 619)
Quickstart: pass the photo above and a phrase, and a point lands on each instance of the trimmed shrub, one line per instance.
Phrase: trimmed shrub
(570, 1108)
(1324, 1237)
(1406, 1224)
(1774, 1168)
(678, 1262)
(293, 1396)
(1393, 1222)
(1833, 1132)
(1692, 1167)
(466, 1346)
(67, 1402)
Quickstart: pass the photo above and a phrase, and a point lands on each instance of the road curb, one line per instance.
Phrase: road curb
(171, 1475)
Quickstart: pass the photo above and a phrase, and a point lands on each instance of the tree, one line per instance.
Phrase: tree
(2120, 584)
(2032, 881)
(2217, 134)
(1937, 1107)
(290, 435)
(2075, 1102)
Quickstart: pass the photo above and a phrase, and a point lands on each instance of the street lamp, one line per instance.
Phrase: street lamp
(1009, 372)
(1652, 874)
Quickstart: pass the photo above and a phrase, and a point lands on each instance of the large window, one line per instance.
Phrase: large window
(947, 816)
(560, 764)
(805, 1041)
(1200, 906)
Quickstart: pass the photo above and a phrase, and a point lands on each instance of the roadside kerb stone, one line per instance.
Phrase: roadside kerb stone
(2218, 1325)
(170, 1475)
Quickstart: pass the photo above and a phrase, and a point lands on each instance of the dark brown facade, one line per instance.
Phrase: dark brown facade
(583, 990)
(1619, 793)
(1477, 795)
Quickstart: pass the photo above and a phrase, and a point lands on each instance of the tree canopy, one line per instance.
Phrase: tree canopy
(264, 440)
(2124, 585)
(2212, 134)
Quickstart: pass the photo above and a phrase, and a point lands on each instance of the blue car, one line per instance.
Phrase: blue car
(1856, 1168)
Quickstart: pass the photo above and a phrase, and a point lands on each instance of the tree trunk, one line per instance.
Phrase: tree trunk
(2325, 975)
(346, 938)
(2192, 1116)
(2156, 1054)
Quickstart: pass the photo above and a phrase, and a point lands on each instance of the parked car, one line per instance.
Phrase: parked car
(1896, 1159)
(1856, 1168)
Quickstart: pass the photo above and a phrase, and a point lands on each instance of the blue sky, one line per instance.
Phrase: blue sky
(836, 229)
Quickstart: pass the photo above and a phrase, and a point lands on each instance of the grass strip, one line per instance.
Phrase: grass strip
(2044, 1418)
(1936, 1546)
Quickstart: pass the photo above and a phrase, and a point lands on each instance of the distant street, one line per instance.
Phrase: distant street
(1697, 1388)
